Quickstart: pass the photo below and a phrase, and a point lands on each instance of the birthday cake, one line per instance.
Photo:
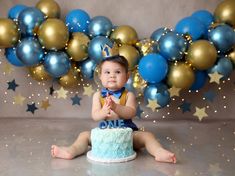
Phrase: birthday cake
(111, 145)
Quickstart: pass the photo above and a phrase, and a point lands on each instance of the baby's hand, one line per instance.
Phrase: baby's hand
(106, 110)
(110, 102)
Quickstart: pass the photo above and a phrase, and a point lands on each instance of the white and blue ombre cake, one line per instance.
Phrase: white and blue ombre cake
(111, 145)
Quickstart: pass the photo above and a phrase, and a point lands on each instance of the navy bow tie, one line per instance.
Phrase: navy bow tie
(116, 94)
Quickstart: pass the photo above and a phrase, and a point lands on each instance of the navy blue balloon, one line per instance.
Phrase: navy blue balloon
(192, 26)
(87, 68)
(100, 25)
(78, 21)
(204, 16)
(200, 80)
(222, 37)
(95, 47)
(157, 34)
(30, 19)
(224, 66)
(29, 51)
(157, 92)
(57, 63)
(153, 68)
(11, 56)
(15, 11)
(172, 46)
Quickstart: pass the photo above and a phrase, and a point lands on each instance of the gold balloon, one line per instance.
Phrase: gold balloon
(181, 76)
(138, 82)
(231, 56)
(53, 34)
(124, 35)
(71, 79)
(225, 12)
(38, 73)
(49, 7)
(131, 54)
(146, 46)
(9, 34)
(201, 54)
(77, 46)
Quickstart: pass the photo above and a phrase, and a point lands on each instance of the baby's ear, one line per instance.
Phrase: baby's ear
(128, 75)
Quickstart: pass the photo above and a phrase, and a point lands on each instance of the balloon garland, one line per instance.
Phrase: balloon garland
(201, 44)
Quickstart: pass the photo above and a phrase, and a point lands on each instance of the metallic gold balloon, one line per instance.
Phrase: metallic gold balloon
(131, 54)
(201, 54)
(124, 35)
(49, 7)
(225, 12)
(181, 76)
(71, 79)
(9, 34)
(138, 82)
(38, 73)
(231, 56)
(77, 46)
(53, 34)
(146, 46)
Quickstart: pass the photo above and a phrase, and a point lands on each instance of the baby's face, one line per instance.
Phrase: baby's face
(113, 76)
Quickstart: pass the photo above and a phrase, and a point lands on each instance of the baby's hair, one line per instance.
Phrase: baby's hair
(117, 59)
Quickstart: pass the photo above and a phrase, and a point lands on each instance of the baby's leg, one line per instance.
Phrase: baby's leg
(147, 140)
(79, 147)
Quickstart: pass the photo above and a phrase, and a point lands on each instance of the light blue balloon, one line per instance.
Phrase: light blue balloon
(29, 51)
(11, 56)
(200, 80)
(87, 68)
(153, 68)
(100, 25)
(57, 64)
(204, 16)
(157, 92)
(157, 34)
(224, 66)
(78, 21)
(29, 19)
(192, 26)
(15, 11)
(172, 46)
(95, 47)
(222, 37)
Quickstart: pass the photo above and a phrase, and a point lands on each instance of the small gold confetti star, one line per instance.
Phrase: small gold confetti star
(215, 77)
(19, 99)
(214, 169)
(62, 93)
(45, 104)
(88, 90)
(174, 91)
(152, 104)
(200, 113)
(7, 68)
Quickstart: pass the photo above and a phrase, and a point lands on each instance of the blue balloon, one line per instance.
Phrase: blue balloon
(15, 11)
(222, 37)
(77, 21)
(57, 63)
(172, 46)
(95, 47)
(157, 92)
(100, 25)
(11, 56)
(224, 66)
(30, 19)
(157, 34)
(153, 68)
(192, 26)
(29, 51)
(204, 16)
(87, 68)
(200, 80)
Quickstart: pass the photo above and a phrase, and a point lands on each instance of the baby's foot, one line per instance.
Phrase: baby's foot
(60, 152)
(164, 155)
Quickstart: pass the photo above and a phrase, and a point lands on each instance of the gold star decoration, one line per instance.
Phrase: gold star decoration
(174, 91)
(215, 77)
(19, 99)
(7, 68)
(214, 169)
(45, 104)
(200, 113)
(88, 90)
(152, 104)
(62, 93)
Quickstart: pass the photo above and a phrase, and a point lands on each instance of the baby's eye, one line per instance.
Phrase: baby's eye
(118, 72)
(107, 72)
